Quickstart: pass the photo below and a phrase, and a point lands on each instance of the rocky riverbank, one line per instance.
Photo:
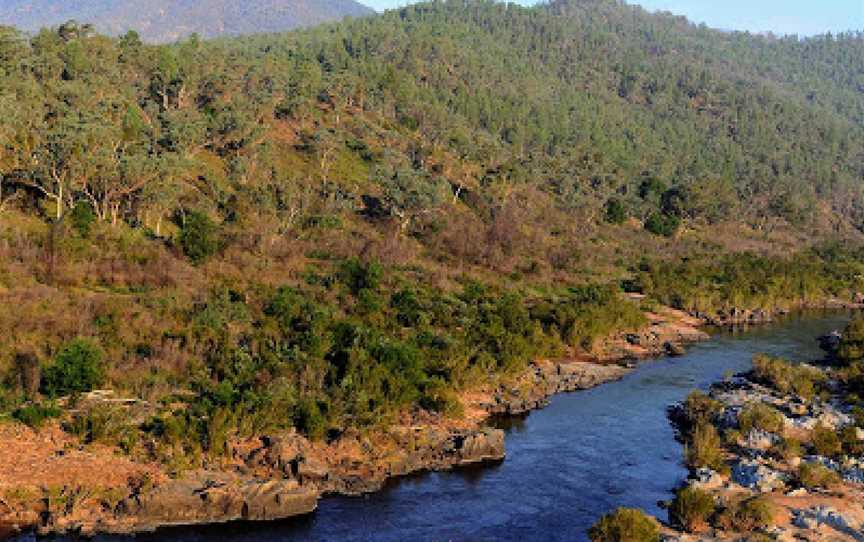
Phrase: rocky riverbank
(54, 484)
(776, 454)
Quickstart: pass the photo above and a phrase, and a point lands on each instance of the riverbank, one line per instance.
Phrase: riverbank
(777, 452)
(91, 489)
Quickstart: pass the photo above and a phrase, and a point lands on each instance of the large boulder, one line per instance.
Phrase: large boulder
(217, 499)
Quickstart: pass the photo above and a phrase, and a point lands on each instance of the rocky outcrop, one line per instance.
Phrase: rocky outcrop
(217, 498)
(545, 379)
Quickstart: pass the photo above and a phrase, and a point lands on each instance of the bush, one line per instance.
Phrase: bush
(789, 448)
(704, 449)
(691, 509)
(662, 224)
(760, 416)
(700, 409)
(36, 414)
(826, 442)
(747, 515)
(817, 476)
(76, 369)
(359, 276)
(615, 211)
(199, 237)
(82, 218)
(787, 377)
(851, 444)
(625, 525)
(852, 345)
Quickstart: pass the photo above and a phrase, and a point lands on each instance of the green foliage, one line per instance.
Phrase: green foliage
(852, 345)
(704, 449)
(625, 525)
(35, 414)
(747, 515)
(712, 283)
(82, 218)
(825, 441)
(77, 368)
(691, 509)
(699, 410)
(789, 448)
(199, 237)
(786, 377)
(852, 445)
(662, 224)
(359, 276)
(760, 416)
(582, 315)
(616, 213)
(817, 476)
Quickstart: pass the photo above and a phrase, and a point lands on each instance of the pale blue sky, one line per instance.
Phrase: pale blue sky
(802, 17)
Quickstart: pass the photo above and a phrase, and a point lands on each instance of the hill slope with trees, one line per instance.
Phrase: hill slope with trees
(327, 227)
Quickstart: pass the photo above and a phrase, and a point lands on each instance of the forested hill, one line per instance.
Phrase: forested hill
(169, 20)
(343, 221)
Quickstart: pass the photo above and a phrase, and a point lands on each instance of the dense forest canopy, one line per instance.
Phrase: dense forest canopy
(322, 227)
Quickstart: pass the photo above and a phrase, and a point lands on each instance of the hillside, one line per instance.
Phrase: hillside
(169, 20)
(341, 226)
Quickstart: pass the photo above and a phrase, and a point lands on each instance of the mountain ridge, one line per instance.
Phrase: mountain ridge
(160, 21)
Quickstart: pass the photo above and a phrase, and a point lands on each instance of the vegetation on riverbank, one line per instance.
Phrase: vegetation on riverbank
(326, 229)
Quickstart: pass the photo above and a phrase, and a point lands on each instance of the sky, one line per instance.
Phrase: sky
(802, 17)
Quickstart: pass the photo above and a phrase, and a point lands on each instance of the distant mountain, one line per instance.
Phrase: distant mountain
(169, 20)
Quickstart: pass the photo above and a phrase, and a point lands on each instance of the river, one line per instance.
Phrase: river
(585, 454)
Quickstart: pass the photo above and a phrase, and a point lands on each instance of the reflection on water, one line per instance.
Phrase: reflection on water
(585, 454)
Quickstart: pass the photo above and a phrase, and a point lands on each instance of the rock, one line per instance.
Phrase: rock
(812, 518)
(311, 470)
(216, 500)
(484, 445)
(674, 349)
(705, 478)
(276, 500)
(760, 440)
(831, 342)
(754, 475)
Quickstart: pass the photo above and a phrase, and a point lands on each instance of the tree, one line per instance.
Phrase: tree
(199, 237)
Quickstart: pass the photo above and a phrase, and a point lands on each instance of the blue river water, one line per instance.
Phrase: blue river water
(568, 464)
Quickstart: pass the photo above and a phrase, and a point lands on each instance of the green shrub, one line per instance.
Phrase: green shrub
(747, 515)
(615, 211)
(199, 237)
(705, 449)
(825, 441)
(817, 476)
(760, 416)
(691, 509)
(359, 276)
(852, 445)
(662, 224)
(82, 218)
(789, 448)
(310, 420)
(76, 369)
(99, 424)
(625, 525)
(36, 414)
(852, 345)
(700, 409)
(787, 377)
